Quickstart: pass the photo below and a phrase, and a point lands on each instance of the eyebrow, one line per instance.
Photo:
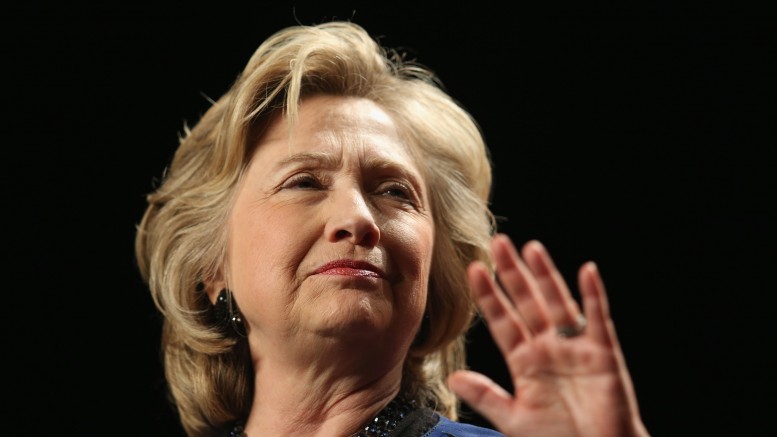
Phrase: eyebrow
(329, 161)
(413, 177)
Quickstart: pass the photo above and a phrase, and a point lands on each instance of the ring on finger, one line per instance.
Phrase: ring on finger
(569, 331)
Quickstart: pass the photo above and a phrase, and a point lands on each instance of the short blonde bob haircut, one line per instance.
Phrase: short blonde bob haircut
(182, 237)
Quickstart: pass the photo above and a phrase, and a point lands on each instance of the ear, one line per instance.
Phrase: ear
(214, 286)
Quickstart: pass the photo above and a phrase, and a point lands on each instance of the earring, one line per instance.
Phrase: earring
(226, 314)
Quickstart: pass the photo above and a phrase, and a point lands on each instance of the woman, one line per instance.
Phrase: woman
(320, 244)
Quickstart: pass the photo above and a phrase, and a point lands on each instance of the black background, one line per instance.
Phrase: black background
(636, 136)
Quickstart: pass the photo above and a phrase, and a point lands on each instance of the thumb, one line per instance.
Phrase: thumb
(482, 394)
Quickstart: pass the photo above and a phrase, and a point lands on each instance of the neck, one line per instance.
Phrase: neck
(316, 400)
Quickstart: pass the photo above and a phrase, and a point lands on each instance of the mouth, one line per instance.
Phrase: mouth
(348, 267)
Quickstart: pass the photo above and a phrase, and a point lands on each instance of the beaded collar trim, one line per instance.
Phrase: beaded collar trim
(382, 425)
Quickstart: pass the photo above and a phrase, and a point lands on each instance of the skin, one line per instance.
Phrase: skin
(363, 199)
(577, 386)
(341, 190)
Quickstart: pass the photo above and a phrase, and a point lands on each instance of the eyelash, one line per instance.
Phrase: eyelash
(406, 194)
(296, 180)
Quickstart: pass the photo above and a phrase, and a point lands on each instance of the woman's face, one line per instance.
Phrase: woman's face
(331, 232)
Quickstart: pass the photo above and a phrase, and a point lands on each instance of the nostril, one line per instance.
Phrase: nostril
(371, 239)
(342, 233)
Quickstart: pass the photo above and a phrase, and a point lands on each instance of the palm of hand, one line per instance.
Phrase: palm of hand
(577, 386)
(563, 387)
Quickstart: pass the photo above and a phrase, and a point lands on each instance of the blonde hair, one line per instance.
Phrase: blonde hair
(181, 239)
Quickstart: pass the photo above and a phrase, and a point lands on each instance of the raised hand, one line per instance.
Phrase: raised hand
(567, 368)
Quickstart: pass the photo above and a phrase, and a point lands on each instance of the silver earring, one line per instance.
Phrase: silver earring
(226, 313)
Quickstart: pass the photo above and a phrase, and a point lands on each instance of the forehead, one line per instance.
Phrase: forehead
(337, 125)
(344, 113)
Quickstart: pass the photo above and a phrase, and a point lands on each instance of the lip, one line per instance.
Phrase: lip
(349, 267)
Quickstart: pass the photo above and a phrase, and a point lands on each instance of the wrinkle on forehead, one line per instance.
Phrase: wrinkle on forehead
(340, 123)
(336, 131)
(331, 130)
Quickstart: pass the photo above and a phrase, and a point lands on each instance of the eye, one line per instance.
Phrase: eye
(303, 181)
(397, 191)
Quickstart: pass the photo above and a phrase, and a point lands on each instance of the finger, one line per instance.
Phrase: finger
(600, 327)
(519, 283)
(506, 328)
(562, 307)
(485, 396)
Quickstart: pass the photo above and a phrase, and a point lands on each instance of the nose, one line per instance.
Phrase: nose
(352, 219)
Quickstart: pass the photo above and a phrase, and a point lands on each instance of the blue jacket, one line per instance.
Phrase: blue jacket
(448, 428)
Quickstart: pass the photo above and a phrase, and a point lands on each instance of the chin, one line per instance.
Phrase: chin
(357, 313)
(361, 312)
(364, 320)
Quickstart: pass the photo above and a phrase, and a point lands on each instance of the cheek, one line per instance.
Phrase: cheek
(414, 240)
(266, 246)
